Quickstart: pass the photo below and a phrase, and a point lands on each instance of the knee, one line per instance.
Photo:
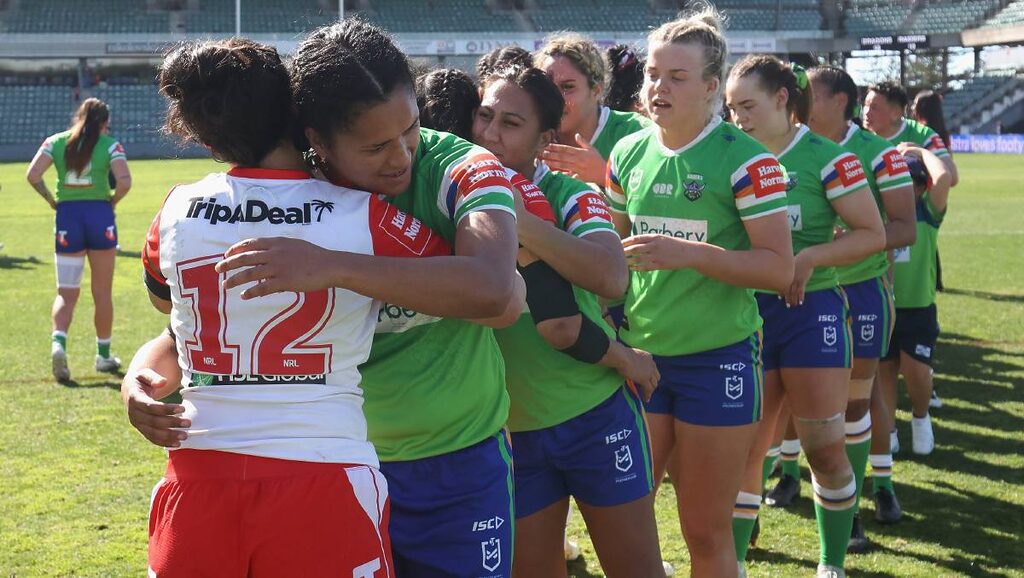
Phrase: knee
(704, 540)
(829, 462)
(856, 409)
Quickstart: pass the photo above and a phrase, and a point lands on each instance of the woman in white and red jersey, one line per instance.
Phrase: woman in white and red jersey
(276, 476)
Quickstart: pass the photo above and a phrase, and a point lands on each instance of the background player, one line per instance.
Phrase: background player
(83, 156)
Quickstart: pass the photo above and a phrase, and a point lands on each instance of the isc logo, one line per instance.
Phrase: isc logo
(492, 524)
(733, 367)
(663, 189)
(617, 437)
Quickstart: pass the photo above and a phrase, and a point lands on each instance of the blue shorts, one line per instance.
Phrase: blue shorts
(617, 313)
(452, 514)
(721, 387)
(84, 225)
(872, 315)
(916, 332)
(815, 334)
(601, 457)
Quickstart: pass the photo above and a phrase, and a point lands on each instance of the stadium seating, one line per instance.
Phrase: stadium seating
(869, 18)
(636, 16)
(1013, 14)
(977, 95)
(950, 16)
(439, 16)
(258, 16)
(83, 16)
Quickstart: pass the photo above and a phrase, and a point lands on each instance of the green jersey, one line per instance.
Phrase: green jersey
(921, 135)
(818, 171)
(435, 385)
(612, 126)
(702, 192)
(887, 172)
(548, 387)
(914, 267)
(92, 183)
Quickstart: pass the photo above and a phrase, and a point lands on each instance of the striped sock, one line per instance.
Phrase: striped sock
(834, 510)
(881, 471)
(858, 446)
(743, 517)
(791, 458)
(60, 338)
(103, 348)
(771, 459)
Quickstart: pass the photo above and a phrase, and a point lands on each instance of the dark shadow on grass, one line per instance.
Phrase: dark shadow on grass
(578, 569)
(772, 557)
(22, 263)
(129, 254)
(90, 384)
(985, 295)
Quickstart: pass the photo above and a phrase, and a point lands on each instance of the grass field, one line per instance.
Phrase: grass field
(75, 478)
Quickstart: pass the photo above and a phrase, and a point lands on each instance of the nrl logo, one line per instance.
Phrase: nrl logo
(734, 387)
(491, 550)
(635, 176)
(791, 181)
(623, 459)
(694, 186)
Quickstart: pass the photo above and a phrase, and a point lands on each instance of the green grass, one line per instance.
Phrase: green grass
(75, 478)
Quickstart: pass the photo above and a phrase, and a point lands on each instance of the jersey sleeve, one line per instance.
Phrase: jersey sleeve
(890, 170)
(934, 143)
(759, 187)
(475, 182)
(47, 147)
(843, 175)
(153, 276)
(614, 192)
(533, 198)
(116, 151)
(583, 212)
(398, 234)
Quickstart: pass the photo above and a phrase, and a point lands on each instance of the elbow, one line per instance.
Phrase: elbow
(877, 240)
(561, 332)
(905, 235)
(124, 184)
(497, 296)
(615, 279)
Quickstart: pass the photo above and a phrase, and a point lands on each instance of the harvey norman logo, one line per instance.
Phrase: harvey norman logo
(254, 211)
(689, 229)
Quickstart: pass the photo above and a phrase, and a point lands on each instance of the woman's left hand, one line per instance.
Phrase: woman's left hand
(651, 252)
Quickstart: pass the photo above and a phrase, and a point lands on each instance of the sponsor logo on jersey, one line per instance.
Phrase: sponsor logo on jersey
(850, 170)
(491, 550)
(663, 189)
(405, 229)
(734, 367)
(796, 220)
(635, 176)
(694, 186)
(489, 524)
(766, 177)
(368, 570)
(204, 379)
(828, 318)
(395, 319)
(867, 333)
(923, 351)
(830, 336)
(623, 459)
(791, 181)
(901, 255)
(894, 163)
(870, 317)
(617, 437)
(734, 387)
(689, 229)
(255, 211)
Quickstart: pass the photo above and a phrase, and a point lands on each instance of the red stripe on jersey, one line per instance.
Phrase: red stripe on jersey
(533, 198)
(935, 143)
(268, 174)
(151, 248)
(849, 169)
(399, 234)
(766, 178)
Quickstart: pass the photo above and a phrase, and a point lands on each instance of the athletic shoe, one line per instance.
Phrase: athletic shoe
(59, 360)
(858, 543)
(756, 531)
(887, 507)
(830, 572)
(572, 550)
(924, 438)
(935, 402)
(784, 492)
(669, 570)
(107, 363)
(894, 442)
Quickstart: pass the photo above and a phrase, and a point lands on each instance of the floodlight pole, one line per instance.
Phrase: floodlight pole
(341, 9)
(238, 17)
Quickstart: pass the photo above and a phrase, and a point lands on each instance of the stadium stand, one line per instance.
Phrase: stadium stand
(1012, 14)
(969, 104)
(867, 18)
(439, 16)
(83, 16)
(31, 113)
(951, 16)
(259, 16)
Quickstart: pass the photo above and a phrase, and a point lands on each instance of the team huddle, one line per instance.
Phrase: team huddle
(418, 315)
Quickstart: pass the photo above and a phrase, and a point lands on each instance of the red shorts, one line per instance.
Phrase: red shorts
(228, 515)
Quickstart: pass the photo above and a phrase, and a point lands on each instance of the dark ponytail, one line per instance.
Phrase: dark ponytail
(85, 132)
(447, 98)
(229, 95)
(546, 96)
(839, 81)
(342, 69)
(627, 75)
(775, 74)
(928, 107)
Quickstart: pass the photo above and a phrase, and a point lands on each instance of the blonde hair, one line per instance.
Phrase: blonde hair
(584, 54)
(702, 28)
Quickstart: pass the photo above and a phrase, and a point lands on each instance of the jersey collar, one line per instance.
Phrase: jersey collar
(851, 129)
(899, 131)
(800, 132)
(602, 120)
(268, 174)
(540, 172)
(712, 125)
